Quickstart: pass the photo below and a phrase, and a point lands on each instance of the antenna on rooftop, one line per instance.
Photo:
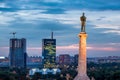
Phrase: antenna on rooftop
(51, 35)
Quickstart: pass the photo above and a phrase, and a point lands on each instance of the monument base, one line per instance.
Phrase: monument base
(83, 77)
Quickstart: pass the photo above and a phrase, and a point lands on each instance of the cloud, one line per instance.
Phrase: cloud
(73, 49)
(55, 11)
(4, 51)
(102, 49)
(37, 22)
(3, 5)
(53, 1)
(52, 5)
(35, 19)
(113, 31)
(70, 49)
(55, 26)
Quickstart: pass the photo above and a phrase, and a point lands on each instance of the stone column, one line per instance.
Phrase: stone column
(82, 66)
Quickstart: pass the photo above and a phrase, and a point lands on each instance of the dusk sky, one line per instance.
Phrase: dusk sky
(35, 19)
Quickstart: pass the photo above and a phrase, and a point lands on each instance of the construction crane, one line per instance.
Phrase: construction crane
(13, 33)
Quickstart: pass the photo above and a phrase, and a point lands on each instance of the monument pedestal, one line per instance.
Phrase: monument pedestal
(82, 66)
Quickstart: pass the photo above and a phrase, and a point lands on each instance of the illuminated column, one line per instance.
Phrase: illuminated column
(82, 66)
(82, 72)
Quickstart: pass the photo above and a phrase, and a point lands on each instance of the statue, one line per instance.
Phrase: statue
(83, 20)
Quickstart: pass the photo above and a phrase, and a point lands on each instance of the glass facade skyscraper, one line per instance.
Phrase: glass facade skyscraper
(17, 53)
(49, 53)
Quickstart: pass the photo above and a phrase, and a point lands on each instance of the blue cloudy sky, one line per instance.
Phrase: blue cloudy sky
(35, 19)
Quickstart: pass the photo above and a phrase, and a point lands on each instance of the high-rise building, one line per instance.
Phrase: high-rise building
(49, 52)
(64, 59)
(17, 53)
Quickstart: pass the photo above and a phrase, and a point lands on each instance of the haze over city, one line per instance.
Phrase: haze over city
(35, 19)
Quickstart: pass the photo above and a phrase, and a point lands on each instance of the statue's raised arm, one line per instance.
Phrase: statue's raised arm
(83, 20)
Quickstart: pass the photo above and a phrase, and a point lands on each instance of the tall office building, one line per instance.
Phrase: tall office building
(49, 52)
(17, 53)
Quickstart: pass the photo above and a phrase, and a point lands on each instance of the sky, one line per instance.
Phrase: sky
(35, 19)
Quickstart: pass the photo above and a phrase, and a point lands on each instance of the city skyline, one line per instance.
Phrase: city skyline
(34, 20)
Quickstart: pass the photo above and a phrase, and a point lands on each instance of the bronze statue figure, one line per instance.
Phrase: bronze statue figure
(83, 20)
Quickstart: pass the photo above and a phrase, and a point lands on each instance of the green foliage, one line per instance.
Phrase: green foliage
(104, 71)
(36, 76)
(7, 76)
(12, 74)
